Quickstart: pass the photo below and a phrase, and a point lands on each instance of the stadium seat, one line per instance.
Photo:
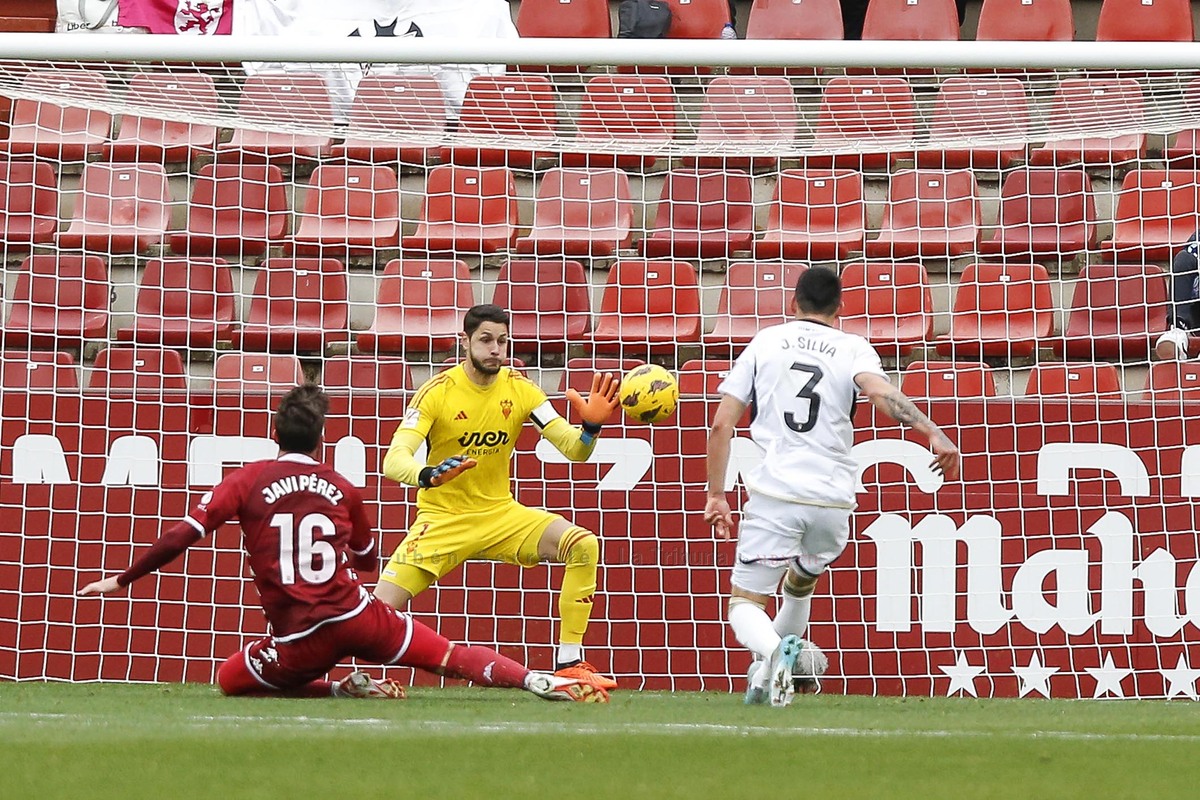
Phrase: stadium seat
(1116, 312)
(183, 303)
(467, 209)
(697, 19)
(1074, 380)
(992, 109)
(256, 372)
(235, 210)
(929, 213)
(564, 19)
(1184, 151)
(702, 214)
(142, 368)
(1025, 21)
(814, 214)
(1000, 310)
(648, 307)
(28, 204)
(756, 294)
(787, 19)
(1082, 106)
(299, 99)
(956, 380)
(121, 209)
(888, 304)
(348, 210)
(1172, 381)
(1044, 212)
(751, 110)
(33, 370)
(1156, 212)
(875, 117)
(297, 304)
(410, 109)
(513, 106)
(366, 374)
(59, 133)
(419, 306)
(60, 300)
(702, 376)
(548, 301)
(623, 121)
(916, 20)
(579, 371)
(1145, 21)
(159, 141)
(580, 212)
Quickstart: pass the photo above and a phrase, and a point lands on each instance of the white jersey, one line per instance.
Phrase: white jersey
(798, 378)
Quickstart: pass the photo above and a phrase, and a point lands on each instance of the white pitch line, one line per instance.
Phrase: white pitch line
(457, 729)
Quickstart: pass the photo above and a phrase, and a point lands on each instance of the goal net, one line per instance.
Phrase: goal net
(192, 229)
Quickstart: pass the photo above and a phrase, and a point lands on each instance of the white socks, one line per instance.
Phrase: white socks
(753, 627)
(568, 653)
(792, 615)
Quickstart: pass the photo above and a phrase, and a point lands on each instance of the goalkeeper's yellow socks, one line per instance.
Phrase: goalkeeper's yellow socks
(579, 550)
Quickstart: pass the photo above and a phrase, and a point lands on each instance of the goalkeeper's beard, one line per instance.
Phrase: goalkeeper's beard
(482, 368)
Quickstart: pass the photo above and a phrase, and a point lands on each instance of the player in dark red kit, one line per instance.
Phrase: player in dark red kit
(305, 531)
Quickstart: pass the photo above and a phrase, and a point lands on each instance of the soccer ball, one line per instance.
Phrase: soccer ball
(810, 666)
(649, 393)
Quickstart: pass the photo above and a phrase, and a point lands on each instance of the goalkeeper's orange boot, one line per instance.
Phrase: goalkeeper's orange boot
(584, 672)
(362, 685)
(553, 687)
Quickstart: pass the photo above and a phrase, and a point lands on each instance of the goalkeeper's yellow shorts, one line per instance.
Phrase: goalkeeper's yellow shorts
(437, 542)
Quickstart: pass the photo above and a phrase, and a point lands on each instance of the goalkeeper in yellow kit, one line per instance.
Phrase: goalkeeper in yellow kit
(471, 416)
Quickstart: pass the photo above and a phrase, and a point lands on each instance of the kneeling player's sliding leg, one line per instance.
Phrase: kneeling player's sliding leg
(429, 650)
(579, 550)
(794, 609)
(235, 678)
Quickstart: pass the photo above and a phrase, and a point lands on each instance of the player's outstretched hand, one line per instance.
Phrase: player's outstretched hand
(947, 459)
(450, 469)
(100, 587)
(601, 400)
(717, 514)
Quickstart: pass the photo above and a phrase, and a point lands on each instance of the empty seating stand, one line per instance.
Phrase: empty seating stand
(979, 122)
(138, 369)
(548, 301)
(702, 377)
(1044, 212)
(648, 307)
(956, 380)
(624, 121)
(60, 301)
(564, 19)
(1072, 380)
(1026, 20)
(579, 372)
(1116, 312)
(348, 211)
(121, 209)
(366, 374)
(34, 370)
(419, 306)
(45, 129)
(929, 213)
(702, 214)
(256, 372)
(1155, 213)
(1000, 310)
(468, 209)
(752, 111)
(297, 304)
(787, 19)
(183, 302)
(872, 119)
(516, 106)
(1145, 21)
(1173, 381)
(815, 214)
(236, 210)
(756, 294)
(161, 141)
(28, 204)
(1082, 106)
(580, 212)
(409, 109)
(888, 304)
(920, 20)
(295, 99)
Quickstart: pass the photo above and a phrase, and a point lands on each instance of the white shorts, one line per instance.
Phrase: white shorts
(777, 534)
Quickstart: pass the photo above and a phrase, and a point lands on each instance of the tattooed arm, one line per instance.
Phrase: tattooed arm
(891, 401)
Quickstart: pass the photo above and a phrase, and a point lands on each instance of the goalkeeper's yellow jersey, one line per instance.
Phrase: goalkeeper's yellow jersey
(455, 416)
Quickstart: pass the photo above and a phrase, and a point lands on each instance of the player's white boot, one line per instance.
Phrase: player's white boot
(780, 669)
(756, 689)
(554, 687)
(361, 685)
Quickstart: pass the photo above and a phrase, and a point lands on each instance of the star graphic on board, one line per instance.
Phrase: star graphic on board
(1108, 677)
(962, 676)
(1181, 679)
(1035, 677)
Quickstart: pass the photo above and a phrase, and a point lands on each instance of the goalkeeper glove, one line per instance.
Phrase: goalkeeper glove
(445, 472)
(599, 406)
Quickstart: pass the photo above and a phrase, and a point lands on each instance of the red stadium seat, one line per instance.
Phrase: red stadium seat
(929, 213)
(648, 307)
(28, 204)
(1145, 21)
(467, 209)
(953, 379)
(300, 99)
(256, 372)
(1001, 310)
(1025, 21)
(348, 210)
(548, 301)
(756, 294)
(787, 19)
(702, 376)
(121, 209)
(419, 306)
(875, 117)
(970, 108)
(580, 212)
(1074, 380)
(579, 371)
(297, 304)
(815, 213)
(697, 19)
(142, 368)
(160, 141)
(1156, 212)
(1184, 151)
(623, 121)
(1172, 381)
(60, 301)
(366, 374)
(505, 107)
(35, 370)
(46, 130)
(919, 20)
(410, 109)
(753, 110)
(1116, 312)
(890, 305)
(236, 210)
(564, 19)
(183, 303)
(1044, 212)
(1084, 105)
(702, 214)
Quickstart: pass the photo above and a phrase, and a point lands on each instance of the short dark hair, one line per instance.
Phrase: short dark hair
(300, 418)
(484, 312)
(819, 291)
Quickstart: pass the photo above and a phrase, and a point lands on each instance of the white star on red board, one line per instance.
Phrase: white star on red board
(1108, 677)
(1035, 677)
(1181, 679)
(962, 676)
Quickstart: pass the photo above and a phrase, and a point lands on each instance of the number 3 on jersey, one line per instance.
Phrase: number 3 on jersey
(807, 392)
(300, 546)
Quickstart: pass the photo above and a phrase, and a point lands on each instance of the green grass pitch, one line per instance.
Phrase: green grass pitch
(99, 741)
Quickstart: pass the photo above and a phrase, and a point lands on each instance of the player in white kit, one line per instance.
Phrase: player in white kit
(801, 379)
